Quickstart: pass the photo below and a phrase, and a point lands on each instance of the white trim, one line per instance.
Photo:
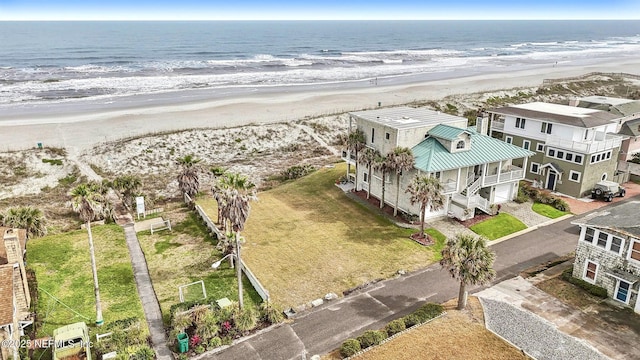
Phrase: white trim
(631, 241)
(531, 169)
(508, 139)
(526, 144)
(540, 147)
(571, 172)
(584, 272)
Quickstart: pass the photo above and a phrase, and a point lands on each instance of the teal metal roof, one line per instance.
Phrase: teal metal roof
(431, 156)
(446, 132)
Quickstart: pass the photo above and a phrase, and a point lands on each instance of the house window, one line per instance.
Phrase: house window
(508, 139)
(373, 133)
(387, 136)
(604, 177)
(546, 128)
(616, 244)
(588, 235)
(540, 147)
(535, 168)
(578, 159)
(552, 153)
(569, 157)
(520, 123)
(438, 174)
(526, 144)
(560, 154)
(602, 239)
(574, 176)
(365, 178)
(608, 154)
(590, 271)
(635, 250)
(460, 144)
(622, 291)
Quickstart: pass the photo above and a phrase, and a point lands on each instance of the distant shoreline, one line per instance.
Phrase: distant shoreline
(79, 128)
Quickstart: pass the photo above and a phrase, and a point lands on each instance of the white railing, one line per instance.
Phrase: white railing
(472, 202)
(449, 186)
(610, 142)
(348, 156)
(497, 125)
(474, 187)
(515, 173)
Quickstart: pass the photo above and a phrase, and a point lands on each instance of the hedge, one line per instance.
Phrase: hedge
(350, 348)
(371, 338)
(590, 288)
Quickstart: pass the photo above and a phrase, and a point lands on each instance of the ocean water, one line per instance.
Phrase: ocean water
(108, 62)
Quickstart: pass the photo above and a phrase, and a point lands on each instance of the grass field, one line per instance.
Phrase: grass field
(498, 226)
(548, 210)
(456, 335)
(63, 269)
(184, 255)
(306, 238)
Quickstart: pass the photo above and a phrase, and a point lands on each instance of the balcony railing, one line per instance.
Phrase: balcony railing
(514, 173)
(348, 156)
(587, 147)
(449, 186)
(472, 202)
(497, 125)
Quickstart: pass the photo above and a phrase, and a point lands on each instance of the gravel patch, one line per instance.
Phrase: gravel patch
(533, 334)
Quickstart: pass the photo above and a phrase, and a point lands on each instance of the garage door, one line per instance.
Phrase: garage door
(502, 193)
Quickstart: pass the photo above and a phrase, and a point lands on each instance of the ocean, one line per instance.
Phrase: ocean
(44, 63)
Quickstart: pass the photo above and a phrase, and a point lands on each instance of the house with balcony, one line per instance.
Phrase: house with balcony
(628, 121)
(608, 252)
(574, 147)
(14, 290)
(475, 170)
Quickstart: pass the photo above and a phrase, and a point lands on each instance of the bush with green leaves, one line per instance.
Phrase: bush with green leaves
(350, 347)
(395, 327)
(411, 320)
(297, 171)
(245, 319)
(215, 342)
(143, 353)
(127, 336)
(371, 338)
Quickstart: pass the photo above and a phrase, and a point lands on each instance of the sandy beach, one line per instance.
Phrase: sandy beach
(81, 131)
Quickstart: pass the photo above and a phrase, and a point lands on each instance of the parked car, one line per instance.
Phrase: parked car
(607, 190)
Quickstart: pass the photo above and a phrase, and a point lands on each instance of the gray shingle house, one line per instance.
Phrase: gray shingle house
(608, 252)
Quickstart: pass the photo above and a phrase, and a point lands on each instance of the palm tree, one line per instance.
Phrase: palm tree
(382, 164)
(400, 160)
(87, 201)
(237, 212)
(368, 157)
(355, 142)
(128, 186)
(29, 218)
(188, 181)
(468, 260)
(427, 192)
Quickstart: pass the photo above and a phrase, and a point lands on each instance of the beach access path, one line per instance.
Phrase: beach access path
(323, 329)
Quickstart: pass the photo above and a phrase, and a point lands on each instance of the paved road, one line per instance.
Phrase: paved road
(323, 329)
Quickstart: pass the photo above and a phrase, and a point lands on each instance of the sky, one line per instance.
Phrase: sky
(317, 10)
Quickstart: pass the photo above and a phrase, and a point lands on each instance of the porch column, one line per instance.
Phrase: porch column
(499, 171)
(524, 168)
(458, 180)
(484, 173)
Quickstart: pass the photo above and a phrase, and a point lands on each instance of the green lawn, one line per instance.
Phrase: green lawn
(63, 269)
(305, 239)
(498, 226)
(184, 255)
(548, 210)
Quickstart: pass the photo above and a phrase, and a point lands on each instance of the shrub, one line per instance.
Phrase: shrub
(350, 348)
(207, 326)
(429, 311)
(270, 313)
(371, 338)
(590, 288)
(395, 327)
(143, 353)
(560, 204)
(215, 342)
(297, 171)
(245, 319)
(411, 320)
(199, 349)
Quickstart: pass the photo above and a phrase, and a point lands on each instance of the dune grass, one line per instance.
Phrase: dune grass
(548, 210)
(184, 255)
(305, 239)
(63, 269)
(498, 226)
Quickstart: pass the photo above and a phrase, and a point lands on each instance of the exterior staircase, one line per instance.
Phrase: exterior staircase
(469, 197)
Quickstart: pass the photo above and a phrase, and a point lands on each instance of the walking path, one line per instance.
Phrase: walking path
(317, 138)
(147, 295)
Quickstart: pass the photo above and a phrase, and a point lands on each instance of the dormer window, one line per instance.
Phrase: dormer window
(460, 144)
